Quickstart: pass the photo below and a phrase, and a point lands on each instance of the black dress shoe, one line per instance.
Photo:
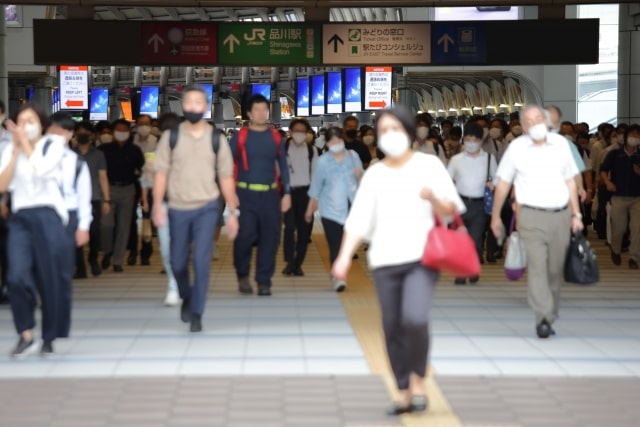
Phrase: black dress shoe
(131, 260)
(106, 261)
(399, 409)
(459, 281)
(298, 272)
(543, 329)
(419, 403)
(288, 270)
(616, 258)
(117, 269)
(264, 291)
(196, 323)
(46, 349)
(244, 285)
(145, 261)
(491, 259)
(95, 269)
(185, 310)
(474, 279)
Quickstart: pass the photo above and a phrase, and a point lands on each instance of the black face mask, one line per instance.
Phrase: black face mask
(192, 117)
(83, 138)
(351, 133)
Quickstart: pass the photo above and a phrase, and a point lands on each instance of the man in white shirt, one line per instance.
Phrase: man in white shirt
(541, 167)
(473, 170)
(76, 190)
(301, 158)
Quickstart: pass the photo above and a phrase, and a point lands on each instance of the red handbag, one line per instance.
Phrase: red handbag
(451, 250)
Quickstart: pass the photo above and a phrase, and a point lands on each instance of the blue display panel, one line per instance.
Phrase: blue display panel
(261, 89)
(302, 97)
(333, 92)
(209, 90)
(352, 90)
(317, 95)
(99, 107)
(149, 96)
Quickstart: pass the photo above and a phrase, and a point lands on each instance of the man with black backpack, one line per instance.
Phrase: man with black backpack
(186, 164)
(301, 158)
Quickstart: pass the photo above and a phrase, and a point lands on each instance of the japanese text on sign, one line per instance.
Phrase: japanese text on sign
(74, 87)
(378, 88)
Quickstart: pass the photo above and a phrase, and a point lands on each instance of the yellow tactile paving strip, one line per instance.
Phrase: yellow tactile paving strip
(361, 305)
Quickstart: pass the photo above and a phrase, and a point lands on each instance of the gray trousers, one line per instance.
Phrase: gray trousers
(116, 225)
(546, 237)
(625, 211)
(405, 292)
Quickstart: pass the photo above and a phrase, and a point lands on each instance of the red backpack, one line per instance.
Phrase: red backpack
(243, 133)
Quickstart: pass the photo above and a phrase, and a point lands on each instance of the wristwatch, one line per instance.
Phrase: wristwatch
(577, 215)
(234, 212)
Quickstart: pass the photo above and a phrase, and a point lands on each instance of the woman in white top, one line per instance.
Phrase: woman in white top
(31, 169)
(394, 209)
(427, 141)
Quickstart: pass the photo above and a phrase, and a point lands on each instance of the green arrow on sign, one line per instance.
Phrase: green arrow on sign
(230, 40)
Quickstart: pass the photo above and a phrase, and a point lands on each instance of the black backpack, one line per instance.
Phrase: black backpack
(79, 162)
(215, 140)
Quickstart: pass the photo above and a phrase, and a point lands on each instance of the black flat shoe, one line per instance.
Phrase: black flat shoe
(288, 270)
(419, 403)
(543, 329)
(106, 261)
(132, 259)
(399, 409)
(185, 311)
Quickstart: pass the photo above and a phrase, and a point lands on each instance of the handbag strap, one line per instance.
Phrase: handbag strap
(489, 178)
(457, 220)
(513, 223)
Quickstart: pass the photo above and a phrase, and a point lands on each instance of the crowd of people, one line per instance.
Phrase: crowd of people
(66, 186)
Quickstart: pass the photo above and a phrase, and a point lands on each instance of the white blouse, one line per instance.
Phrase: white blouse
(37, 180)
(389, 212)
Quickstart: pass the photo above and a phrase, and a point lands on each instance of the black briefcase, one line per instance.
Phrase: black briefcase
(581, 264)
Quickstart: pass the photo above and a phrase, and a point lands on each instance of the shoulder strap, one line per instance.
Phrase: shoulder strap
(488, 167)
(79, 164)
(173, 138)
(47, 144)
(277, 139)
(436, 148)
(310, 151)
(242, 142)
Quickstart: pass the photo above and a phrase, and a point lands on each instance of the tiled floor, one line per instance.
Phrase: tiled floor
(296, 355)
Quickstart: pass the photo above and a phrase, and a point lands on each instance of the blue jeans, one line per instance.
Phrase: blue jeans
(197, 227)
(164, 238)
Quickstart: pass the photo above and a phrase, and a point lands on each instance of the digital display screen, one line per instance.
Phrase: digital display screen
(54, 101)
(149, 96)
(480, 13)
(99, 103)
(209, 90)
(302, 97)
(317, 94)
(352, 90)
(261, 89)
(333, 92)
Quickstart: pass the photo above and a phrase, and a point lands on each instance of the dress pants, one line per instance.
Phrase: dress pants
(296, 228)
(475, 220)
(625, 211)
(117, 224)
(188, 229)
(259, 221)
(39, 247)
(94, 239)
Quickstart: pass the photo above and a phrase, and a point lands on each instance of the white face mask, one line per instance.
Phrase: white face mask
(320, 141)
(121, 136)
(337, 148)
(144, 130)
(538, 132)
(368, 139)
(495, 133)
(516, 131)
(471, 146)
(298, 137)
(106, 138)
(633, 141)
(422, 132)
(33, 131)
(394, 144)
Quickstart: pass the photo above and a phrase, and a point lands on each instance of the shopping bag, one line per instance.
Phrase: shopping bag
(451, 250)
(515, 262)
(581, 265)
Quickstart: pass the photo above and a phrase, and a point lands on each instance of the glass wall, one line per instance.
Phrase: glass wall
(598, 83)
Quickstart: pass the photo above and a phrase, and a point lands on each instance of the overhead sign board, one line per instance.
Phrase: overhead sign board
(185, 43)
(377, 86)
(458, 43)
(74, 87)
(386, 44)
(269, 44)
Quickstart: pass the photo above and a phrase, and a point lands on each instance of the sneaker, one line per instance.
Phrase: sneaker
(185, 311)
(338, 285)
(264, 291)
(46, 349)
(196, 323)
(23, 348)
(244, 285)
(172, 299)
